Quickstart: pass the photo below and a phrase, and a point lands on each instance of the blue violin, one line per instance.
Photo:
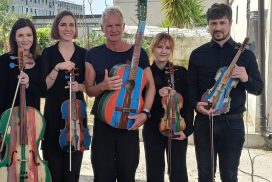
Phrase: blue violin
(218, 96)
(74, 137)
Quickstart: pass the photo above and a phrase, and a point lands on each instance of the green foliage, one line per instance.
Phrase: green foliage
(165, 24)
(4, 5)
(146, 45)
(44, 40)
(183, 13)
(95, 39)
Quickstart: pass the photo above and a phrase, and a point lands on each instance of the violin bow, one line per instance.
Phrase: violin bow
(212, 143)
(20, 54)
(70, 115)
(170, 133)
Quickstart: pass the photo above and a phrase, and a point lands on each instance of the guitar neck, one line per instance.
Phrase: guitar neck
(137, 50)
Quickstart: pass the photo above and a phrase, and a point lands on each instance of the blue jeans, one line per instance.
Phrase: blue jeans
(229, 137)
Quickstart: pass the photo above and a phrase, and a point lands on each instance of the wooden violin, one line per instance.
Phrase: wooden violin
(22, 128)
(74, 137)
(218, 96)
(172, 122)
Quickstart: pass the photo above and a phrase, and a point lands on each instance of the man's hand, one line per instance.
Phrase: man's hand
(139, 120)
(111, 83)
(240, 73)
(202, 107)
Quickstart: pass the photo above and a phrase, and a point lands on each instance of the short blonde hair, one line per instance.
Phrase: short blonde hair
(54, 30)
(159, 38)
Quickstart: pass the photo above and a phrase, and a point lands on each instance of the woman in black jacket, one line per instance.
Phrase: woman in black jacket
(23, 35)
(155, 142)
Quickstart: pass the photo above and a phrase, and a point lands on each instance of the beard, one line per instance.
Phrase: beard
(220, 36)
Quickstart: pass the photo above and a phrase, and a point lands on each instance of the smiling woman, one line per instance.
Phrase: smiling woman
(59, 62)
(24, 120)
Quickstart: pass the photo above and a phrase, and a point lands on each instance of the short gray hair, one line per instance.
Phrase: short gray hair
(111, 9)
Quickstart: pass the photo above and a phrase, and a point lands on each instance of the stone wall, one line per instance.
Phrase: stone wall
(186, 40)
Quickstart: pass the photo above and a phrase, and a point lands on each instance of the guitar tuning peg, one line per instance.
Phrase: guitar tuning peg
(13, 57)
(67, 77)
(12, 65)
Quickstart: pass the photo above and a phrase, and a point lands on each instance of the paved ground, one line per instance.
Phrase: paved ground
(262, 166)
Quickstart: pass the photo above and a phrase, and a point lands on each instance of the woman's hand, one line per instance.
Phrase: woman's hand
(66, 65)
(76, 87)
(180, 136)
(24, 79)
(165, 91)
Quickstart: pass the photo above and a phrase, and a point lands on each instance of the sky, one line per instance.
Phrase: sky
(97, 5)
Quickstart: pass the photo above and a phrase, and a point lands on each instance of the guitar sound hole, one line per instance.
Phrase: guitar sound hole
(130, 85)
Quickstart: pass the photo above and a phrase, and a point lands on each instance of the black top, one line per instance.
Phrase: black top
(161, 80)
(57, 94)
(9, 80)
(103, 58)
(208, 58)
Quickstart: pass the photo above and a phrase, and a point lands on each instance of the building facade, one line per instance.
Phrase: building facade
(155, 15)
(44, 7)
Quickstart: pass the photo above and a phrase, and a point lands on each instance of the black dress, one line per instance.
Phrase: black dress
(58, 160)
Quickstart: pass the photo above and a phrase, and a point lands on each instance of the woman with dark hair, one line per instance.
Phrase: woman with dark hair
(22, 35)
(57, 61)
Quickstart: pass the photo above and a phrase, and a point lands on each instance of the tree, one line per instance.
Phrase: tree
(43, 36)
(183, 13)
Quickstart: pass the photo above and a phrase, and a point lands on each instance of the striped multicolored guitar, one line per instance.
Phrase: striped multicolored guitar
(115, 106)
